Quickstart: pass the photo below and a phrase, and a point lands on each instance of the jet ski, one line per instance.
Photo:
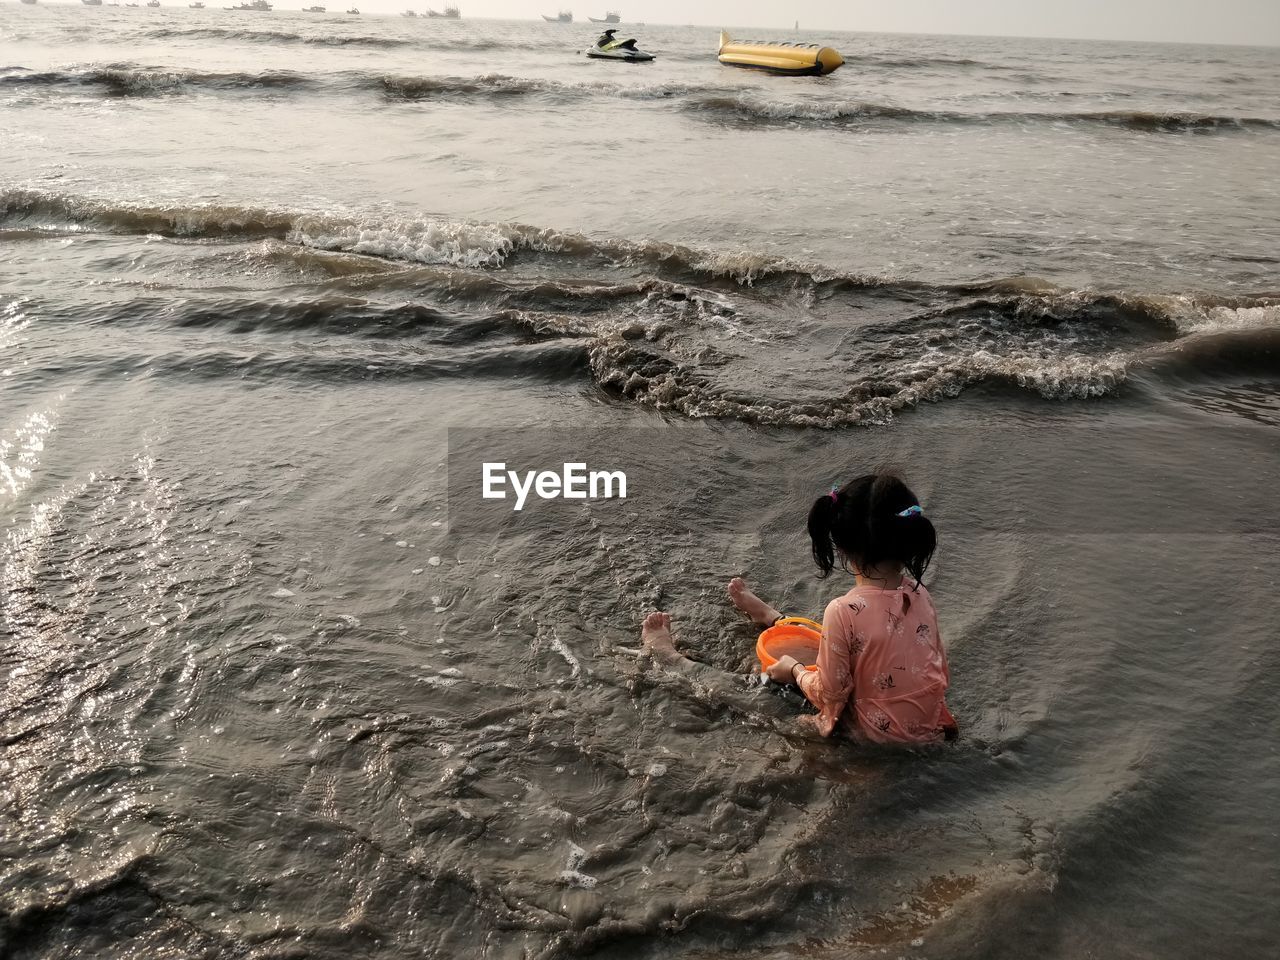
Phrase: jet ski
(608, 47)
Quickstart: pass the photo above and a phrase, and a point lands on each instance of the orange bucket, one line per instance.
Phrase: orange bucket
(790, 637)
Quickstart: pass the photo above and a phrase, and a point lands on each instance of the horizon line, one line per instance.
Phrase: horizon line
(180, 4)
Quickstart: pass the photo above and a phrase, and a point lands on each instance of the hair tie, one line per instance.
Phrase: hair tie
(834, 495)
(912, 511)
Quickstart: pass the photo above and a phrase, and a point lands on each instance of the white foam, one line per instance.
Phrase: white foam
(434, 242)
(571, 874)
(559, 647)
(1192, 316)
(1227, 319)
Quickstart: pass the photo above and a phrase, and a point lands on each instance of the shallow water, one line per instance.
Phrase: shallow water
(275, 684)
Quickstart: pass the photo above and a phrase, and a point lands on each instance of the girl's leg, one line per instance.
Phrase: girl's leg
(655, 637)
(732, 690)
(755, 608)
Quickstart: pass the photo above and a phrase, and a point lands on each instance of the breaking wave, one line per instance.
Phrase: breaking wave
(748, 108)
(184, 221)
(500, 86)
(870, 60)
(125, 80)
(426, 240)
(1073, 346)
(686, 331)
(712, 102)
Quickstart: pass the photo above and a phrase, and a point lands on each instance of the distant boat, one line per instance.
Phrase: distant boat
(613, 16)
(313, 9)
(153, 3)
(450, 13)
(27, 1)
(564, 16)
(198, 5)
(354, 10)
(260, 6)
(92, 3)
(408, 13)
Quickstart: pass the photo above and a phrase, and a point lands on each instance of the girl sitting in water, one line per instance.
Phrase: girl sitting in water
(882, 668)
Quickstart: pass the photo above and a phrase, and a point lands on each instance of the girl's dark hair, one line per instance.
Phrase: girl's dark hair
(864, 521)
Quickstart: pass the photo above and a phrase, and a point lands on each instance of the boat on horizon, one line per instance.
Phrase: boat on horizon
(613, 16)
(92, 3)
(260, 6)
(408, 13)
(153, 3)
(451, 12)
(564, 16)
(353, 10)
(28, 2)
(316, 9)
(198, 5)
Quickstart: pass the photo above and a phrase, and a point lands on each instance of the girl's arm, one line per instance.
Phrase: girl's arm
(828, 687)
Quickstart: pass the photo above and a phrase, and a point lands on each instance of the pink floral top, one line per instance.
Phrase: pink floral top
(882, 669)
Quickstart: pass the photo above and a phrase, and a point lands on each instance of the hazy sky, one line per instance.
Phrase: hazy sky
(1206, 21)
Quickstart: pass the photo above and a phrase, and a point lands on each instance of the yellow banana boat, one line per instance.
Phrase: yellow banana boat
(798, 59)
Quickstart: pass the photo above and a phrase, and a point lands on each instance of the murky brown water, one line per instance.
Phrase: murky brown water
(272, 685)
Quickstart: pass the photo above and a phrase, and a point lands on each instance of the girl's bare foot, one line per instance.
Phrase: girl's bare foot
(755, 608)
(655, 636)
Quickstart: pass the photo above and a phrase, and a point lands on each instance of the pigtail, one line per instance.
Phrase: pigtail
(822, 522)
(916, 541)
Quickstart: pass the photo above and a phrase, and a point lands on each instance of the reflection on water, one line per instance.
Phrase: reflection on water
(268, 690)
(20, 451)
(1259, 402)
